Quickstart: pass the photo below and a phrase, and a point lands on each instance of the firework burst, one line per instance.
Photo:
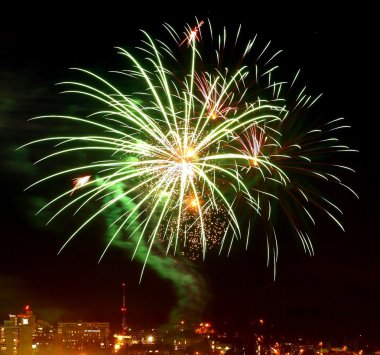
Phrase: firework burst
(191, 150)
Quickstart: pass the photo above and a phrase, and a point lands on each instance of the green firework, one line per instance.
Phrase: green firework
(187, 152)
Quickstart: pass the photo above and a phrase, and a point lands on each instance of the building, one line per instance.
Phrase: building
(16, 336)
(83, 335)
(43, 336)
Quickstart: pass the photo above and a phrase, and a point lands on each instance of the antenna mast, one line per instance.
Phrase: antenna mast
(123, 313)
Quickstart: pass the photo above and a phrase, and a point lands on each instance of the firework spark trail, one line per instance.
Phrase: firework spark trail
(201, 146)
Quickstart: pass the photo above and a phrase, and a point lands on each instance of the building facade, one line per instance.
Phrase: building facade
(83, 335)
(16, 337)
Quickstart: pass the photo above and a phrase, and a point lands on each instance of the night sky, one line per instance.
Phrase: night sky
(333, 294)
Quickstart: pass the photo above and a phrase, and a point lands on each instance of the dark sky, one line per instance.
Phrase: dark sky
(335, 293)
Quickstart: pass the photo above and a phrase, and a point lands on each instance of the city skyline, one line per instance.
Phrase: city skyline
(25, 334)
(335, 291)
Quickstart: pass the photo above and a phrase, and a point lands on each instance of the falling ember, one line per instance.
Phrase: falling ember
(213, 115)
(79, 182)
(192, 35)
(253, 162)
(194, 203)
(217, 95)
(251, 142)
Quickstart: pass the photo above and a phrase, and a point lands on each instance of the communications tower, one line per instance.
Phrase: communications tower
(123, 313)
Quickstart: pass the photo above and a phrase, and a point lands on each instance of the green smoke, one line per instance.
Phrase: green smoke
(189, 285)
